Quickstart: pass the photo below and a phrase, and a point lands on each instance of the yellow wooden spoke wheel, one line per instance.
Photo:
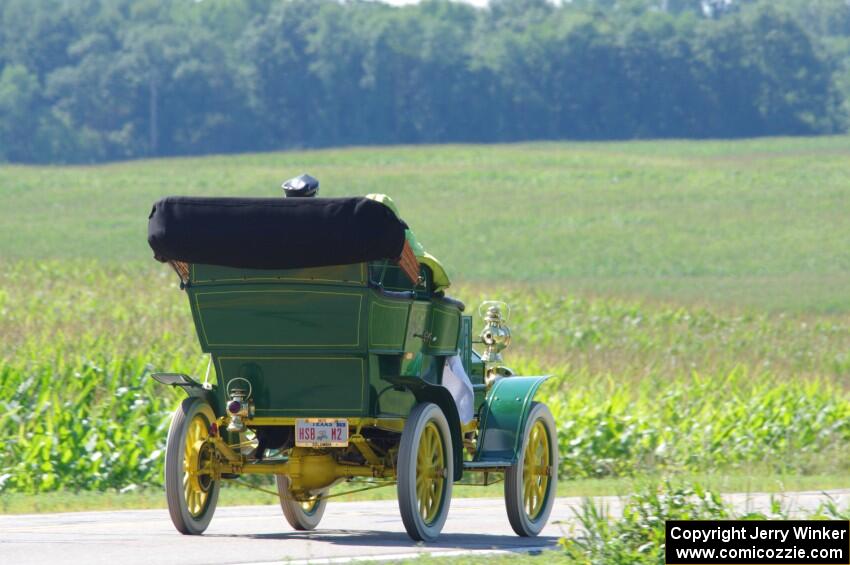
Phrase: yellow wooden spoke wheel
(190, 490)
(430, 473)
(196, 463)
(425, 471)
(301, 514)
(530, 483)
(535, 470)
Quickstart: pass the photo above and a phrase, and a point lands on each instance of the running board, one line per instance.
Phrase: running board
(486, 465)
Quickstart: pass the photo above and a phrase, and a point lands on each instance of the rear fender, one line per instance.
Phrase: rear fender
(191, 387)
(441, 396)
(503, 416)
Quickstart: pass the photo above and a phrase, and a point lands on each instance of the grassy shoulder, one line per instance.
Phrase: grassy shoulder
(236, 495)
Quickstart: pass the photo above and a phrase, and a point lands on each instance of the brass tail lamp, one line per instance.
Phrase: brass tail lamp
(240, 404)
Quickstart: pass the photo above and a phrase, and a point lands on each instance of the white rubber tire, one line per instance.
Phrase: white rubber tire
(294, 512)
(175, 495)
(521, 522)
(408, 501)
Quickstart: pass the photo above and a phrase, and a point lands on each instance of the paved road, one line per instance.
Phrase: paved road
(259, 534)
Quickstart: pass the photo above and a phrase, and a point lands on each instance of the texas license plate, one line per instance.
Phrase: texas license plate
(321, 432)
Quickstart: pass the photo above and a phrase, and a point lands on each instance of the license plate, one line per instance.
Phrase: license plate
(321, 432)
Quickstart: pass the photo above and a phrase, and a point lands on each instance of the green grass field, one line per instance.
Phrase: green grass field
(752, 223)
(691, 300)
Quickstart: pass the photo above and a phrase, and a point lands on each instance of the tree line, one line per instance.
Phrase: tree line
(94, 80)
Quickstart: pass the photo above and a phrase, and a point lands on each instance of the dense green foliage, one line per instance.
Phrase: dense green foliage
(638, 536)
(708, 423)
(759, 223)
(78, 341)
(89, 80)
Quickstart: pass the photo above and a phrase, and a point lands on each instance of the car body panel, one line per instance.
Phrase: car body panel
(321, 341)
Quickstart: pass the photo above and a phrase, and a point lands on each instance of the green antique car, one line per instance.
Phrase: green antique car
(338, 357)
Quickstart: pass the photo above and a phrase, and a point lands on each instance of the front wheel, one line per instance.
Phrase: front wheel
(190, 490)
(425, 472)
(300, 515)
(530, 483)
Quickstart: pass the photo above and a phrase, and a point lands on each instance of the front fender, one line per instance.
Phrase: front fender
(503, 418)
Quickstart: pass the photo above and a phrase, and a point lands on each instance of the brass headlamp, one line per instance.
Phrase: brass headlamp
(496, 337)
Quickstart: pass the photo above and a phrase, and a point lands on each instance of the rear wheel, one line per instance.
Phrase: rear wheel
(190, 490)
(300, 515)
(530, 483)
(425, 471)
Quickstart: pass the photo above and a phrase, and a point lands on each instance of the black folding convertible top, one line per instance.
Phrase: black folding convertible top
(274, 233)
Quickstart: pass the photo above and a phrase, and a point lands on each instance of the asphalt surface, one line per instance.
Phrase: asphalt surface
(259, 534)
